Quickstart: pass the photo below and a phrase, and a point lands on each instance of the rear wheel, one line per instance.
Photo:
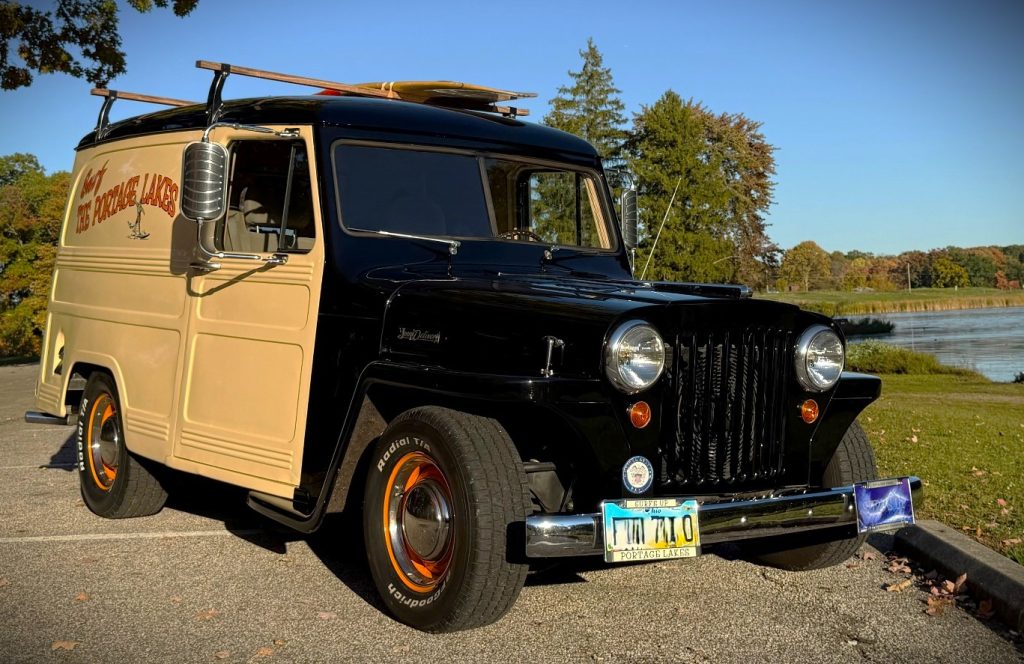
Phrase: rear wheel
(853, 461)
(114, 483)
(444, 488)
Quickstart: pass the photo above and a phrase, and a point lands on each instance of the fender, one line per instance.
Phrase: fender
(363, 423)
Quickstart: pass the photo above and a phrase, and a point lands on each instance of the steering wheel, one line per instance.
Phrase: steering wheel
(520, 233)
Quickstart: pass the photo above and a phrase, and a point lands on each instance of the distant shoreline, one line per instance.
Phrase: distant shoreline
(842, 303)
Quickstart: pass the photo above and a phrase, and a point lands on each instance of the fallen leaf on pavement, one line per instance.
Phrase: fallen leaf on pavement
(934, 591)
(3, 581)
(207, 614)
(960, 581)
(327, 615)
(222, 654)
(279, 642)
(82, 597)
(867, 555)
(948, 586)
(899, 586)
(64, 645)
(264, 651)
(985, 609)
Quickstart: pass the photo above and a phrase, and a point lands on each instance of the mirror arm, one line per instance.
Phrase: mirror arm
(209, 256)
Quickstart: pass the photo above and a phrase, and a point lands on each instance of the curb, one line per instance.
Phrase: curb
(989, 574)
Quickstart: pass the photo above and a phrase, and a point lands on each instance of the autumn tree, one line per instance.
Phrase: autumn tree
(78, 37)
(806, 264)
(719, 168)
(31, 209)
(947, 274)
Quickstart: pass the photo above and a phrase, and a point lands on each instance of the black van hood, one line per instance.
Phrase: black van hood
(500, 325)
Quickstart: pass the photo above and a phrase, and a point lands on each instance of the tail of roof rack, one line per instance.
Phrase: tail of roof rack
(448, 94)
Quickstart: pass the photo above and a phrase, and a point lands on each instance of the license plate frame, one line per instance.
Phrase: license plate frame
(883, 504)
(638, 529)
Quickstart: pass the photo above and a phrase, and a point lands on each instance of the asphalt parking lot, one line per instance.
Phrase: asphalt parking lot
(206, 580)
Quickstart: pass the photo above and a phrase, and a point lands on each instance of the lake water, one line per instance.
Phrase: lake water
(990, 341)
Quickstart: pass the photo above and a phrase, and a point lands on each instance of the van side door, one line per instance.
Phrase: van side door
(249, 345)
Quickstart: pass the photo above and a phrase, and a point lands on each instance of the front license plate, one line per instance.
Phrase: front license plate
(883, 504)
(650, 529)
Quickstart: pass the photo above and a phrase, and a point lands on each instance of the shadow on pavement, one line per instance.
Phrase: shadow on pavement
(64, 457)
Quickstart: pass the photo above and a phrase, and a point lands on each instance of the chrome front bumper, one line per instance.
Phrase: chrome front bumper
(559, 535)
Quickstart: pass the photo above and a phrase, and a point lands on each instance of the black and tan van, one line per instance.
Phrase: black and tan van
(402, 300)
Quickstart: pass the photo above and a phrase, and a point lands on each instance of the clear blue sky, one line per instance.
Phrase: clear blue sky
(898, 124)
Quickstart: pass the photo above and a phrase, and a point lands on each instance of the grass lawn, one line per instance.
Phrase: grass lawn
(836, 303)
(964, 436)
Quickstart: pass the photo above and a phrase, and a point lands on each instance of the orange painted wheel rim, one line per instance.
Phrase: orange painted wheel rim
(417, 518)
(103, 441)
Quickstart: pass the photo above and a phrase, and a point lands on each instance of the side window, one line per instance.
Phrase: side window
(269, 199)
(561, 208)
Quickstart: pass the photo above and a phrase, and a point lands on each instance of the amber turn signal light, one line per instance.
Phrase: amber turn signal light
(640, 414)
(809, 411)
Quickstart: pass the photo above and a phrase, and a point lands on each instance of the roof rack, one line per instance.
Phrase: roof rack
(435, 93)
(448, 94)
(113, 95)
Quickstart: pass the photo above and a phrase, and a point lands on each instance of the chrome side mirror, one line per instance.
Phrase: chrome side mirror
(204, 181)
(204, 190)
(630, 217)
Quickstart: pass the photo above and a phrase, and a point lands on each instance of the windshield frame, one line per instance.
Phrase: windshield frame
(608, 215)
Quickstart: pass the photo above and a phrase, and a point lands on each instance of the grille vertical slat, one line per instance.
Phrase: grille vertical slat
(730, 396)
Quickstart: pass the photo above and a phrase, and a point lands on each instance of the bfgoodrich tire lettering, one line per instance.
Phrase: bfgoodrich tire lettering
(115, 484)
(853, 461)
(444, 488)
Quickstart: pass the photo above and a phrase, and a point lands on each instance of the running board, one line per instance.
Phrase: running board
(37, 417)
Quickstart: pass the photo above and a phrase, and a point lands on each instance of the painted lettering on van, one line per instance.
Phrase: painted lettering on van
(156, 190)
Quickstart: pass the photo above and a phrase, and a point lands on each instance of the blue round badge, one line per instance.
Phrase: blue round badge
(637, 474)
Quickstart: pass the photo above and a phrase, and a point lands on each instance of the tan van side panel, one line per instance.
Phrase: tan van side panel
(119, 293)
(245, 389)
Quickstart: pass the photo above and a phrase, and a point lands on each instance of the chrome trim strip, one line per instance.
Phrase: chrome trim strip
(560, 535)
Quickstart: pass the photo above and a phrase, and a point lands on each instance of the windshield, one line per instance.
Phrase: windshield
(465, 196)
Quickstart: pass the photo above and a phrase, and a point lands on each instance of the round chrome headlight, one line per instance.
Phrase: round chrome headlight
(819, 358)
(635, 356)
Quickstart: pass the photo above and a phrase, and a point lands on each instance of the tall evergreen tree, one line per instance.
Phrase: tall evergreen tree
(590, 107)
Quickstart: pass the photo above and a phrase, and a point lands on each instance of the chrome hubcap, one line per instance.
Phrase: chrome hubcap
(104, 441)
(417, 521)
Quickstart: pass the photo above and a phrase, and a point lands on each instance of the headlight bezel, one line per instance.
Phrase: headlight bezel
(804, 376)
(612, 366)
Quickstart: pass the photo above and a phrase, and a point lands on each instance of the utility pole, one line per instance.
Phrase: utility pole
(908, 277)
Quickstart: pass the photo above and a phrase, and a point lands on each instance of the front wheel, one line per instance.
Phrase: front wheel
(115, 483)
(853, 461)
(443, 491)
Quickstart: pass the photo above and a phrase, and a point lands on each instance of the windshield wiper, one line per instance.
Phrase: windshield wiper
(453, 245)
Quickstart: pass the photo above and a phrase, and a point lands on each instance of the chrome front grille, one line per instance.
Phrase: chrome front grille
(730, 406)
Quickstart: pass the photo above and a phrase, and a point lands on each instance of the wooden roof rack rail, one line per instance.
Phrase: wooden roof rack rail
(111, 96)
(435, 93)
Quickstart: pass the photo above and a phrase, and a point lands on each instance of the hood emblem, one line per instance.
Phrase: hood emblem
(408, 334)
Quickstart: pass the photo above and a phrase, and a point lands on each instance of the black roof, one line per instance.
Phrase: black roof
(378, 118)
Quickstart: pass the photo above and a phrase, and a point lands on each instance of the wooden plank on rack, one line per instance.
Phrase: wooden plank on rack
(134, 96)
(297, 80)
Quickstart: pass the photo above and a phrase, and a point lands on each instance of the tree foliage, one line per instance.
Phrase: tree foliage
(720, 168)
(78, 37)
(590, 108)
(31, 209)
(808, 265)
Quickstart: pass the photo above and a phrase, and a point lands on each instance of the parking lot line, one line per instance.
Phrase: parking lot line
(39, 465)
(127, 536)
